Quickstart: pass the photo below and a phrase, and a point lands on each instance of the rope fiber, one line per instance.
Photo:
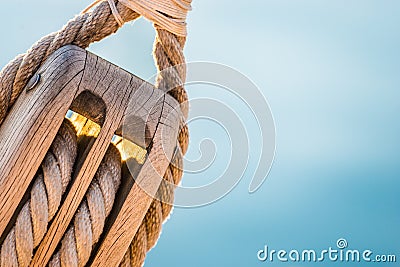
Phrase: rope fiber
(48, 188)
(104, 19)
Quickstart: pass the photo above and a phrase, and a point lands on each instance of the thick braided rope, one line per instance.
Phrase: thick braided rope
(83, 30)
(88, 223)
(150, 229)
(168, 56)
(45, 197)
(39, 210)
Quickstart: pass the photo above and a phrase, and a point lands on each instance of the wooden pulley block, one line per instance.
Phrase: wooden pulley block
(121, 103)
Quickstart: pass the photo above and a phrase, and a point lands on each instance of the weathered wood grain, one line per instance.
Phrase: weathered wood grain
(110, 96)
(131, 215)
(112, 85)
(32, 124)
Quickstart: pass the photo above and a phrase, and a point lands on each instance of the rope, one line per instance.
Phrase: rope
(88, 223)
(168, 14)
(150, 229)
(45, 197)
(83, 30)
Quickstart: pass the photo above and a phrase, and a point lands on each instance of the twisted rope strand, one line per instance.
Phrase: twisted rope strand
(45, 197)
(82, 30)
(150, 229)
(88, 223)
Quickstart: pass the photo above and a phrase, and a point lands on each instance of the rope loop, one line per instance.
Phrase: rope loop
(165, 14)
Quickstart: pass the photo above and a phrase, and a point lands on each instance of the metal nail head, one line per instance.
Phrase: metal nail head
(33, 82)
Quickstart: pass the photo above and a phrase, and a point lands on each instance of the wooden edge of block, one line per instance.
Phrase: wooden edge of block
(32, 124)
(121, 233)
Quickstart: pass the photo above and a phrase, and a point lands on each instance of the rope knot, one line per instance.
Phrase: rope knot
(167, 14)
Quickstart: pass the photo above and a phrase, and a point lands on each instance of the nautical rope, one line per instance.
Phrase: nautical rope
(48, 188)
(168, 14)
(150, 229)
(83, 30)
(88, 223)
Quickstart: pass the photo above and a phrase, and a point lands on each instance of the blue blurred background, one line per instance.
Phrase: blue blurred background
(330, 72)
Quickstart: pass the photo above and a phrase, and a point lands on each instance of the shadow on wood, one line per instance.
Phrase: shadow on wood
(110, 96)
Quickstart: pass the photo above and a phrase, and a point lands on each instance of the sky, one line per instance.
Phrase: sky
(330, 73)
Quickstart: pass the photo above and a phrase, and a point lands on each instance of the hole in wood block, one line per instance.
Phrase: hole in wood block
(90, 106)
